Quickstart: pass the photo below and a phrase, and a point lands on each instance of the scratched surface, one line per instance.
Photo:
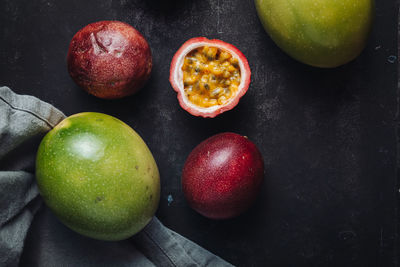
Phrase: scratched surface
(328, 137)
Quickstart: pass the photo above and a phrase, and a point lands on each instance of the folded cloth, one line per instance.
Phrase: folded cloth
(24, 120)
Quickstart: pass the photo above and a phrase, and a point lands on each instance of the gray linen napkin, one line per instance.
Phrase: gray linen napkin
(24, 120)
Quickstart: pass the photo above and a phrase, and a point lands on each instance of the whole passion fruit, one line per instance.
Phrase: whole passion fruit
(109, 59)
(210, 76)
(98, 176)
(320, 33)
(222, 176)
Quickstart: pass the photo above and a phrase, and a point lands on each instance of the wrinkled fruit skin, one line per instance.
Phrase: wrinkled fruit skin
(98, 176)
(109, 59)
(222, 176)
(320, 33)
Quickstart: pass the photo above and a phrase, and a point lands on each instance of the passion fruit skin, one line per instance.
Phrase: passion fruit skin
(109, 59)
(176, 81)
(222, 176)
(320, 33)
(98, 176)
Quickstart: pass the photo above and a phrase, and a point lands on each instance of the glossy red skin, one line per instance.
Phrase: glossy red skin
(229, 48)
(222, 176)
(109, 59)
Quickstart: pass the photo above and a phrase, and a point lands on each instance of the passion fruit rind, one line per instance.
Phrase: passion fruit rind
(177, 82)
(109, 59)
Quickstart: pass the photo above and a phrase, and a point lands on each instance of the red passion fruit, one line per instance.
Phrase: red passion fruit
(210, 76)
(109, 59)
(222, 176)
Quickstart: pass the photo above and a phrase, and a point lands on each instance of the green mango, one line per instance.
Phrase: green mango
(98, 176)
(320, 33)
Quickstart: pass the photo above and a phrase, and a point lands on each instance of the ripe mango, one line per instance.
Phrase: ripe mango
(320, 33)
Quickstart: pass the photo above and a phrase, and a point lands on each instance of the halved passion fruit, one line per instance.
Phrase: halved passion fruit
(210, 76)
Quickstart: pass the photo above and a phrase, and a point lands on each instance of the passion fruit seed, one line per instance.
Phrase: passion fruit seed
(211, 76)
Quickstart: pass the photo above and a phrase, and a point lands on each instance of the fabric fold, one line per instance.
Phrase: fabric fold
(23, 121)
(25, 223)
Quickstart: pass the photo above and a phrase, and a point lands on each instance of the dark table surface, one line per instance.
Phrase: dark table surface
(329, 137)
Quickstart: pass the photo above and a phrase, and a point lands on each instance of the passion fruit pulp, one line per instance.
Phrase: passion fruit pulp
(210, 76)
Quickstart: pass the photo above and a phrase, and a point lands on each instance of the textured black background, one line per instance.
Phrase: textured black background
(328, 137)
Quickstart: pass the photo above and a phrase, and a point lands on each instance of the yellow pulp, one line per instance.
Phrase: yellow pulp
(211, 76)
